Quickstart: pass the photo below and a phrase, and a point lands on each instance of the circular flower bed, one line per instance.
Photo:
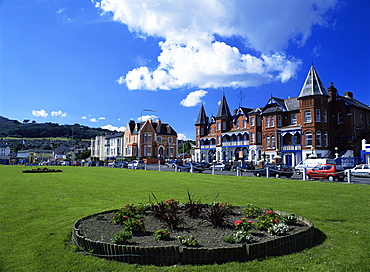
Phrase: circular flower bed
(167, 233)
(42, 170)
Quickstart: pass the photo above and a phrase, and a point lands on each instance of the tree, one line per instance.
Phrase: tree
(26, 121)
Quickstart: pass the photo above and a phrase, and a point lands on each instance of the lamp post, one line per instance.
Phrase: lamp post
(139, 136)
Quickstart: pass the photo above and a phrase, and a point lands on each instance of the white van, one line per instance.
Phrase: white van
(311, 163)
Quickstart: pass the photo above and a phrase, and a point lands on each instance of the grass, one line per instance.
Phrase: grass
(37, 212)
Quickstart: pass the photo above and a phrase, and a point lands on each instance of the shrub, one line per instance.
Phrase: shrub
(243, 225)
(217, 213)
(252, 211)
(129, 219)
(289, 219)
(134, 224)
(168, 212)
(194, 208)
(121, 237)
(267, 220)
(162, 234)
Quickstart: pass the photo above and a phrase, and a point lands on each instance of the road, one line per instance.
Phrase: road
(155, 167)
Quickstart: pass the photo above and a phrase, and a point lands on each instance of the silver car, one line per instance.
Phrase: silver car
(361, 170)
(136, 165)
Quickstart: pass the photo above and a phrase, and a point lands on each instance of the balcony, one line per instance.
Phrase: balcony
(207, 146)
(235, 143)
(291, 147)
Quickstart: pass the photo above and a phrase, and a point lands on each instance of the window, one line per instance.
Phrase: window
(268, 142)
(308, 139)
(280, 121)
(361, 118)
(340, 118)
(326, 139)
(272, 121)
(170, 140)
(244, 123)
(218, 125)
(318, 138)
(259, 137)
(237, 124)
(252, 137)
(325, 115)
(145, 151)
(171, 152)
(307, 117)
(252, 121)
(318, 116)
(273, 141)
(258, 120)
(223, 125)
(293, 119)
(218, 139)
(159, 139)
(267, 121)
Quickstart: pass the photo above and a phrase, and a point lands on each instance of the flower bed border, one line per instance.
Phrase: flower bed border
(170, 255)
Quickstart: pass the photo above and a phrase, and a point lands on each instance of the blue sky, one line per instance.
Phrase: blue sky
(101, 63)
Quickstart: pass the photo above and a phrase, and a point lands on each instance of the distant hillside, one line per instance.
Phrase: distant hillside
(14, 128)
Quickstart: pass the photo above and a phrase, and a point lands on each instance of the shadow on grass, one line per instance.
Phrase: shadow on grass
(318, 237)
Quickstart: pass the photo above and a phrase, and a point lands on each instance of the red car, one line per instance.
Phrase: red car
(330, 172)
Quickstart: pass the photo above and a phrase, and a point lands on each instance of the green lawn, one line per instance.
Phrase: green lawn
(38, 210)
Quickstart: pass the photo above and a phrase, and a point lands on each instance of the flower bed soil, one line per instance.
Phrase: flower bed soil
(100, 228)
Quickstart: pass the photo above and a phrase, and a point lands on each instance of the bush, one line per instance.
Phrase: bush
(121, 237)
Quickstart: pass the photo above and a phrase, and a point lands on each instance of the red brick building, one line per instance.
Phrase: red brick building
(318, 122)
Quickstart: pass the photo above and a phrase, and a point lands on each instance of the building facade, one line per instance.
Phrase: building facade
(318, 123)
(150, 140)
(147, 140)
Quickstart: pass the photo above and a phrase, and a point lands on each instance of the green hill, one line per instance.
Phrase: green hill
(14, 128)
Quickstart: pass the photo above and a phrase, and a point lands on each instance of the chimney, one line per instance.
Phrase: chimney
(348, 94)
(332, 91)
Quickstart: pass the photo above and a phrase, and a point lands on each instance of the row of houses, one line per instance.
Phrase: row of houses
(148, 140)
(319, 122)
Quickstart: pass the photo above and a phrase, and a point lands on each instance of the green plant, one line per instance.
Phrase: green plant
(142, 208)
(289, 219)
(162, 234)
(267, 220)
(278, 229)
(252, 211)
(190, 242)
(243, 225)
(134, 224)
(239, 237)
(123, 214)
(121, 237)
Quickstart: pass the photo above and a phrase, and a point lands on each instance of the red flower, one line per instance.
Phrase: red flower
(268, 212)
(164, 231)
(250, 222)
(237, 222)
(125, 217)
(276, 221)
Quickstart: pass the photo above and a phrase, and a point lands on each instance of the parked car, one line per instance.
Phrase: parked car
(310, 163)
(137, 164)
(121, 164)
(275, 170)
(244, 167)
(330, 172)
(361, 170)
(92, 163)
(76, 163)
(221, 166)
(173, 163)
(187, 166)
(206, 165)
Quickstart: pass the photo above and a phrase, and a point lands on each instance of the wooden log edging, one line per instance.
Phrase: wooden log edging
(170, 255)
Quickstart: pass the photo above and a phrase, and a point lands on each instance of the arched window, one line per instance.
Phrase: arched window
(326, 139)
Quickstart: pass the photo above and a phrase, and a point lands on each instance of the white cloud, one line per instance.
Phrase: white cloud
(83, 117)
(113, 128)
(193, 53)
(101, 118)
(58, 113)
(146, 117)
(40, 113)
(182, 136)
(193, 98)
(93, 120)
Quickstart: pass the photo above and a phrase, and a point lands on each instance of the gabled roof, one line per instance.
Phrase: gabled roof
(353, 102)
(202, 117)
(223, 109)
(312, 85)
